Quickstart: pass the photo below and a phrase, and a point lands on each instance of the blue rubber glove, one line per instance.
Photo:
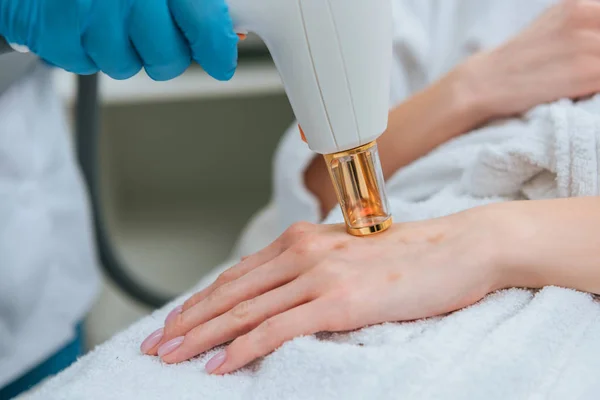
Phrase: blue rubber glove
(119, 37)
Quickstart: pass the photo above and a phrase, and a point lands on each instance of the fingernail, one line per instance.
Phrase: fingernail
(173, 314)
(152, 340)
(170, 346)
(214, 363)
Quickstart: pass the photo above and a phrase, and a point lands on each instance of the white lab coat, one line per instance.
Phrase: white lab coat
(48, 278)
(430, 38)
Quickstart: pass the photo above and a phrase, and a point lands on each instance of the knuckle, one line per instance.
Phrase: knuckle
(297, 230)
(192, 301)
(300, 227)
(266, 327)
(306, 245)
(225, 276)
(219, 293)
(243, 309)
(263, 335)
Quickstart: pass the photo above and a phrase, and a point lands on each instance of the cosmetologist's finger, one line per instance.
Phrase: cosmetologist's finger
(106, 40)
(156, 38)
(208, 29)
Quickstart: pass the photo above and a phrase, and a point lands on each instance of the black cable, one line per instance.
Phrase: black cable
(4, 46)
(88, 138)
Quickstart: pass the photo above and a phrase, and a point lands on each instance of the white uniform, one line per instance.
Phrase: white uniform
(48, 278)
(430, 38)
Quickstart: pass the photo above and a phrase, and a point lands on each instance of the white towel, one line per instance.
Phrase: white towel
(515, 344)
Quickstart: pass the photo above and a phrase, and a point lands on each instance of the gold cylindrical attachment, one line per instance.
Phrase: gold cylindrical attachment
(360, 188)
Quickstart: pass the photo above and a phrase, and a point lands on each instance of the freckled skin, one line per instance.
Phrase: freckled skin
(340, 246)
(411, 236)
(394, 277)
(300, 251)
(435, 239)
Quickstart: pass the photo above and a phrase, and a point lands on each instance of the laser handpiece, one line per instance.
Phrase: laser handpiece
(334, 58)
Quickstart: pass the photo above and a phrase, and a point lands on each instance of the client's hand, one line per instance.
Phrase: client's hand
(558, 56)
(317, 278)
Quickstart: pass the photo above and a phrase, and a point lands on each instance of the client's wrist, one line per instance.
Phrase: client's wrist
(478, 88)
(457, 104)
(511, 230)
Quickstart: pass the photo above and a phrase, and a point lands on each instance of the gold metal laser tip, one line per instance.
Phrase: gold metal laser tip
(358, 180)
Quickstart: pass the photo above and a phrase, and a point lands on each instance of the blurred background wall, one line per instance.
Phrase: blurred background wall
(185, 164)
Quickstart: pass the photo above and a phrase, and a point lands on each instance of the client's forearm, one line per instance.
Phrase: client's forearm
(428, 119)
(551, 242)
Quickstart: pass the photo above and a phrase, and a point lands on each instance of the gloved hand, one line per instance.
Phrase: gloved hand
(119, 37)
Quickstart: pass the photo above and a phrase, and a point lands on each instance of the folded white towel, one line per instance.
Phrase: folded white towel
(515, 344)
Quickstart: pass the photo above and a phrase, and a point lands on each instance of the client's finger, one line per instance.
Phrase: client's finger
(247, 264)
(241, 319)
(260, 280)
(223, 298)
(305, 319)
